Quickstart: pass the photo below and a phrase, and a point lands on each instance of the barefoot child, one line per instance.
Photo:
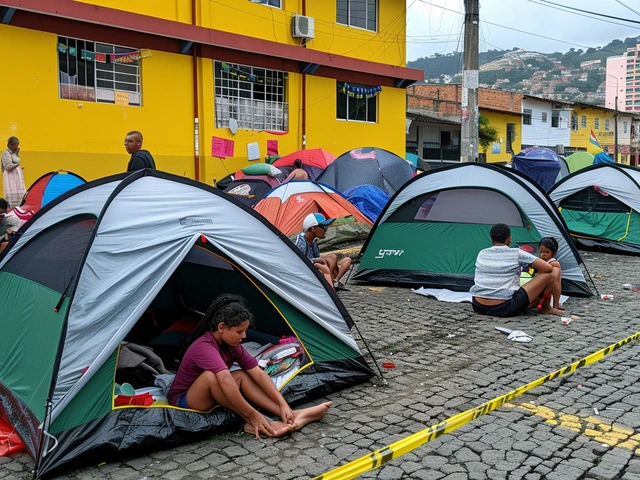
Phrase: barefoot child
(547, 250)
(204, 381)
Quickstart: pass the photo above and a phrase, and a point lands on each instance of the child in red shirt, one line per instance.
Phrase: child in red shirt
(204, 381)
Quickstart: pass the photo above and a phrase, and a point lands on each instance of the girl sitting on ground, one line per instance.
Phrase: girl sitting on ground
(204, 381)
(547, 249)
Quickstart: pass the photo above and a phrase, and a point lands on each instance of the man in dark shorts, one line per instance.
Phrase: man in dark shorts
(497, 291)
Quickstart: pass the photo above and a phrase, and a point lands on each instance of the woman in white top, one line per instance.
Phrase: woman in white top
(12, 179)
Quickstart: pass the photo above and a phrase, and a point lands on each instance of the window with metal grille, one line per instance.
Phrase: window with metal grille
(583, 121)
(255, 97)
(596, 124)
(358, 13)
(544, 117)
(607, 125)
(625, 127)
(526, 116)
(353, 108)
(93, 72)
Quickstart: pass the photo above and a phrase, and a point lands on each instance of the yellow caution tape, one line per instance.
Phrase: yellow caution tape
(406, 445)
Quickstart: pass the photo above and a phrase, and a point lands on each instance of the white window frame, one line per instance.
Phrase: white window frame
(351, 99)
(596, 123)
(583, 121)
(235, 98)
(625, 127)
(544, 117)
(128, 73)
(607, 124)
(348, 22)
(527, 114)
(555, 115)
(269, 3)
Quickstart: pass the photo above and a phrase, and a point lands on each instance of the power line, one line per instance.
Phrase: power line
(589, 12)
(565, 9)
(522, 31)
(627, 6)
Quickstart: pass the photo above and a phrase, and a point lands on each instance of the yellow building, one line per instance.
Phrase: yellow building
(589, 118)
(291, 74)
(509, 127)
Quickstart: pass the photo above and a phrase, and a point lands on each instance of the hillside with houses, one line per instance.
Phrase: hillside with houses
(575, 76)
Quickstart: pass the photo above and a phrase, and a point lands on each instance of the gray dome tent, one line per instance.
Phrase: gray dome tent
(92, 266)
(432, 229)
(367, 166)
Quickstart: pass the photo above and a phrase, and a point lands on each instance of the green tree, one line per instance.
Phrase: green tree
(486, 133)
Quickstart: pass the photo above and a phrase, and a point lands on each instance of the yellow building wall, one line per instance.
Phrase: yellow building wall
(214, 168)
(580, 138)
(323, 129)
(499, 122)
(176, 10)
(340, 136)
(387, 45)
(243, 17)
(87, 138)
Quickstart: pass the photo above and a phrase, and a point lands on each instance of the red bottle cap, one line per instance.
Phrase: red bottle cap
(388, 365)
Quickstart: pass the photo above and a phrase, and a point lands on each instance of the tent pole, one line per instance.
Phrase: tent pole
(43, 437)
(591, 278)
(384, 380)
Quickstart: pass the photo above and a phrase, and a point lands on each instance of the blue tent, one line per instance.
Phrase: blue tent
(602, 157)
(542, 165)
(368, 199)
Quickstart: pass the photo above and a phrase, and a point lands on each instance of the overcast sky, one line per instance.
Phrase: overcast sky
(431, 29)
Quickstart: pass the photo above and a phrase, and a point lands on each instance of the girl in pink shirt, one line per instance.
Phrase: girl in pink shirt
(204, 381)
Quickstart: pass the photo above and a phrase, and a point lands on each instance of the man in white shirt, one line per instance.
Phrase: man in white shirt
(497, 291)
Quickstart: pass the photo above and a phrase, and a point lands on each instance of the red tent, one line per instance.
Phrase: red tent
(314, 161)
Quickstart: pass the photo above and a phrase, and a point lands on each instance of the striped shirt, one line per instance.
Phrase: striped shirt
(498, 272)
(309, 250)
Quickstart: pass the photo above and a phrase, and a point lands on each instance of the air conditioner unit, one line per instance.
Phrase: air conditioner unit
(302, 27)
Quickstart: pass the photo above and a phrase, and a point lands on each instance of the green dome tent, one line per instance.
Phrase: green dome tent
(432, 229)
(579, 160)
(601, 207)
(129, 258)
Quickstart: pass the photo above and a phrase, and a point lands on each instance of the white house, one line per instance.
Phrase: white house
(546, 123)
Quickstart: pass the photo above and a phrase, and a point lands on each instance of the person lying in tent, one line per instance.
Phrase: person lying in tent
(497, 291)
(204, 381)
(314, 227)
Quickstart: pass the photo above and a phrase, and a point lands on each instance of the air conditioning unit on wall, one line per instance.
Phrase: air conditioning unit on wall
(302, 27)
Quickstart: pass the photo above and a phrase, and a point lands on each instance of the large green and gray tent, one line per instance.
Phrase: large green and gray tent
(601, 207)
(112, 257)
(432, 229)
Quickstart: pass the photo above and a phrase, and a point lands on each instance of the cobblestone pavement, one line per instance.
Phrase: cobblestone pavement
(448, 359)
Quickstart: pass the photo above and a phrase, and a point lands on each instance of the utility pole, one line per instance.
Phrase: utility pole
(615, 141)
(469, 141)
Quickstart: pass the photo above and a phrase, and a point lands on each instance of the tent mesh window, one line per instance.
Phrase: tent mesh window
(53, 257)
(592, 200)
(461, 205)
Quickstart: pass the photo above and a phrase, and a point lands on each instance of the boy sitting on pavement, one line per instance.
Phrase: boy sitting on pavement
(314, 227)
(497, 289)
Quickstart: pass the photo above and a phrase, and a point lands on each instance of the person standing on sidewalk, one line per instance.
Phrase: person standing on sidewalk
(12, 179)
(140, 159)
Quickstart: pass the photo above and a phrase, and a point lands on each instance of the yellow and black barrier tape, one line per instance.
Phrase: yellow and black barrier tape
(408, 444)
